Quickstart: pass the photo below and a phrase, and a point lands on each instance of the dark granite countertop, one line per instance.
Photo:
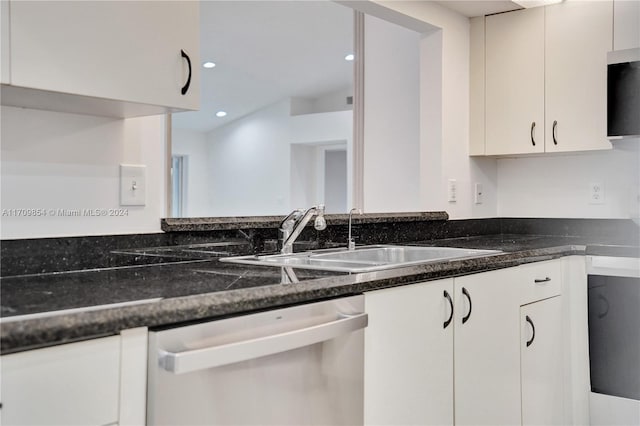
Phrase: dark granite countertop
(191, 290)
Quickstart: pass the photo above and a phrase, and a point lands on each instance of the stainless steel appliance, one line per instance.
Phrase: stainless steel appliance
(301, 365)
(623, 94)
(614, 339)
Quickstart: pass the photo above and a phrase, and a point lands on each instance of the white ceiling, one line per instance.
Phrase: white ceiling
(266, 51)
(471, 8)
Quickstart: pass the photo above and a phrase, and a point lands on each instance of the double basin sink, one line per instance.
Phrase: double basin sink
(362, 259)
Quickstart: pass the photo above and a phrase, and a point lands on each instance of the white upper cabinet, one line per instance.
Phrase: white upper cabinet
(626, 24)
(114, 58)
(515, 82)
(545, 79)
(578, 37)
(4, 42)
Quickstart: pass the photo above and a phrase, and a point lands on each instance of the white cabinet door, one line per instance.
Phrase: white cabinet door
(541, 362)
(545, 66)
(487, 356)
(626, 24)
(515, 82)
(4, 42)
(578, 37)
(409, 355)
(72, 384)
(117, 50)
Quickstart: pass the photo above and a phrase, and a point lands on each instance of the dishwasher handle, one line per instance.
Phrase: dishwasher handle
(216, 356)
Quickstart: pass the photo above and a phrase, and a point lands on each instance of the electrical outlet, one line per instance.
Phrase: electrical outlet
(452, 191)
(596, 193)
(478, 194)
(132, 185)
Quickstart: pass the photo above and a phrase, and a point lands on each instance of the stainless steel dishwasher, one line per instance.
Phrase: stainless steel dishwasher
(301, 365)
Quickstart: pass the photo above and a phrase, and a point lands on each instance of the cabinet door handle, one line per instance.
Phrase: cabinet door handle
(542, 280)
(533, 129)
(466, 317)
(553, 132)
(533, 328)
(448, 321)
(185, 88)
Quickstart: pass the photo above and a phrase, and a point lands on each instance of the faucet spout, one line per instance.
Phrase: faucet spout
(351, 242)
(291, 226)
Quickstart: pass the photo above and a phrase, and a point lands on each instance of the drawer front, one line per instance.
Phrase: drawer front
(540, 281)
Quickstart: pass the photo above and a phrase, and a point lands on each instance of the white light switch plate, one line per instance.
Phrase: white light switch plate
(478, 194)
(452, 191)
(133, 185)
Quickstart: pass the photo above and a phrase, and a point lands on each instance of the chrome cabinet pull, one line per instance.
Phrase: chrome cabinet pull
(553, 132)
(543, 280)
(448, 321)
(533, 327)
(533, 128)
(466, 317)
(185, 88)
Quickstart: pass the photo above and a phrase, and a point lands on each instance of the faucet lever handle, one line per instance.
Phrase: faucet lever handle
(320, 223)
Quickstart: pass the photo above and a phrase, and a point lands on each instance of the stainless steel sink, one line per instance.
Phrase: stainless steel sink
(362, 259)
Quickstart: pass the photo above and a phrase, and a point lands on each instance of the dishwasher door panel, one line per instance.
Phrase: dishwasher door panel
(319, 383)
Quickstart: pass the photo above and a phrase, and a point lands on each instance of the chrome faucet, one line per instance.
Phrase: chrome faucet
(293, 224)
(352, 243)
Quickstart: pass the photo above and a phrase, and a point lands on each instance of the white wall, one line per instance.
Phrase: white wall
(334, 101)
(249, 159)
(335, 177)
(57, 161)
(558, 186)
(391, 117)
(444, 116)
(193, 145)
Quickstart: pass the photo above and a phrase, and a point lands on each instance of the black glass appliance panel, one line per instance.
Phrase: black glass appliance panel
(614, 335)
(623, 99)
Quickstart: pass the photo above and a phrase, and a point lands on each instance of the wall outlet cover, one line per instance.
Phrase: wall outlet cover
(596, 193)
(133, 185)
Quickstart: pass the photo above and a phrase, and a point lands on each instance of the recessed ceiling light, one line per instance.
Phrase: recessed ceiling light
(221, 114)
(349, 57)
(208, 65)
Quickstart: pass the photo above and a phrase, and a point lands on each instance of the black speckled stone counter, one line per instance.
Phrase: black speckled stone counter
(197, 290)
(173, 278)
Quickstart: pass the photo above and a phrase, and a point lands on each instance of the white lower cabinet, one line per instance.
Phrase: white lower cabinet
(72, 384)
(478, 370)
(409, 355)
(487, 356)
(95, 382)
(541, 358)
